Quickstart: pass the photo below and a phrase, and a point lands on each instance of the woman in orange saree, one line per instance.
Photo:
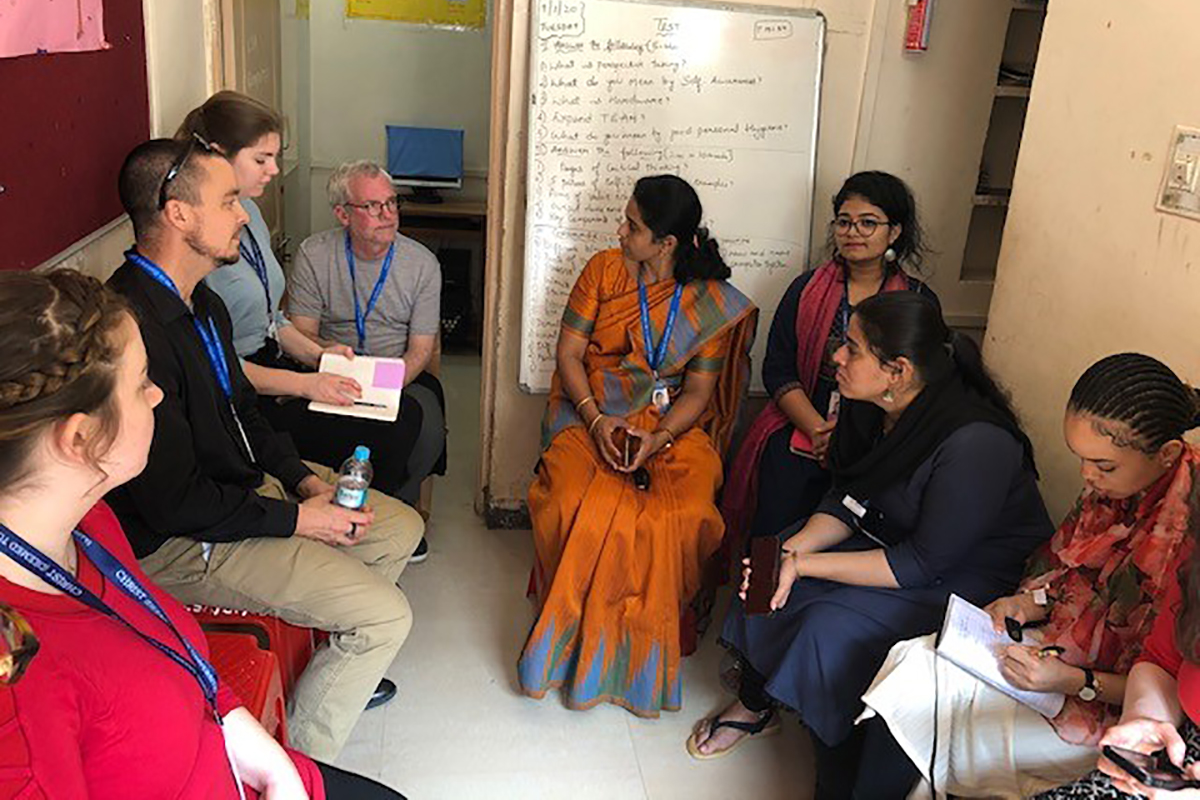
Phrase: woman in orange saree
(652, 363)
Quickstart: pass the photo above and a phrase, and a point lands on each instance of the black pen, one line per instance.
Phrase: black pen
(1015, 629)
(372, 405)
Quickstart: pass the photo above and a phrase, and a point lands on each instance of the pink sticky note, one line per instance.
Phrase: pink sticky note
(389, 375)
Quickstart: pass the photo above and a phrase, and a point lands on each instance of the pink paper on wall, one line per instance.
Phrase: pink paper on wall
(51, 26)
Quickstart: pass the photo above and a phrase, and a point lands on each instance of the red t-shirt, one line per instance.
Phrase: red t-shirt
(1159, 648)
(101, 713)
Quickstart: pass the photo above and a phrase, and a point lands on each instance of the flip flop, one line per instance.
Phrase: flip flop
(767, 726)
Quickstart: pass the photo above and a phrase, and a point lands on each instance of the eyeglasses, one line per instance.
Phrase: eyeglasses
(865, 226)
(18, 645)
(375, 208)
(178, 164)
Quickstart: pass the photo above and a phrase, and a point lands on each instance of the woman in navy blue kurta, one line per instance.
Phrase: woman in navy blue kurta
(935, 463)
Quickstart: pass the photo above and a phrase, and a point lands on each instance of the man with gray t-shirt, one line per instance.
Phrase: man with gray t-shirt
(366, 286)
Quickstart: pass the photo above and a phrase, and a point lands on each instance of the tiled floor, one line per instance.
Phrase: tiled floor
(459, 730)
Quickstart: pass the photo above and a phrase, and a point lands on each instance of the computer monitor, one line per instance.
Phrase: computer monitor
(425, 159)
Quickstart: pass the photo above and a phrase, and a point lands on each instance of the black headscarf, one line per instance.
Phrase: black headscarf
(864, 461)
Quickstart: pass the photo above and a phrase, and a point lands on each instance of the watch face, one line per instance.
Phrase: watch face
(1087, 694)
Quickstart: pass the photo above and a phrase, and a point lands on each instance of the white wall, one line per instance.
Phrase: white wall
(1088, 267)
(176, 61)
(369, 73)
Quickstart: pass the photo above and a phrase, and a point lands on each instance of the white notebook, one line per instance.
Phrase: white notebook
(969, 640)
(381, 379)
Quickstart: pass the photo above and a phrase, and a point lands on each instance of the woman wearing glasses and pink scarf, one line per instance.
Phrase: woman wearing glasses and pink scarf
(778, 476)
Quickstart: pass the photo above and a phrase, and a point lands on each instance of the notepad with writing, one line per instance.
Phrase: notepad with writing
(381, 379)
(969, 640)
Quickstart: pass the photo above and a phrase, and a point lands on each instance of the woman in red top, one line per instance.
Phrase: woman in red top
(1162, 703)
(119, 699)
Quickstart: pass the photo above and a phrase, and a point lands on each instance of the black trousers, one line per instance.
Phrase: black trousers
(868, 765)
(342, 785)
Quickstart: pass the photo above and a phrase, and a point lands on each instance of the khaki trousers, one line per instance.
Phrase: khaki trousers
(350, 592)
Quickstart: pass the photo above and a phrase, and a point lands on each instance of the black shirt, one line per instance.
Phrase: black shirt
(965, 521)
(199, 481)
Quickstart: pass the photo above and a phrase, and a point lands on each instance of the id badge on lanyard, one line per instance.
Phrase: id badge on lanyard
(660, 397)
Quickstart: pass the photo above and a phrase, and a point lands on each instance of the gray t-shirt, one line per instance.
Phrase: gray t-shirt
(242, 289)
(410, 302)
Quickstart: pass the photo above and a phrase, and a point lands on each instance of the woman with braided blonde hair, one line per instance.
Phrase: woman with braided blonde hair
(109, 691)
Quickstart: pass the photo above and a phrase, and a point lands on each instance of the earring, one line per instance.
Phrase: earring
(889, 255)
(888, 397)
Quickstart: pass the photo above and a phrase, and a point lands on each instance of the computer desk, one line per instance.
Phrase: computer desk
(453, 225)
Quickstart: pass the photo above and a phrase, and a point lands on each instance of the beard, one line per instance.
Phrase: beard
(220, 257)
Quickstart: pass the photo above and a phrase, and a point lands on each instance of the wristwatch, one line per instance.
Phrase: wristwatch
(1091, 686)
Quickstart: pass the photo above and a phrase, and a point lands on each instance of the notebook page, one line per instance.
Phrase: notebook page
(969, 640)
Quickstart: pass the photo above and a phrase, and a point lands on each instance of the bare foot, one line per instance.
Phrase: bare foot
(708, 742)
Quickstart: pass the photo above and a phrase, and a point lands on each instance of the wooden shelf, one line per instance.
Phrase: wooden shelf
(996, 199)
(1011, 90)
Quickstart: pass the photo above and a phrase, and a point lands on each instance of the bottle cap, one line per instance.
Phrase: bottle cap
(362, 453)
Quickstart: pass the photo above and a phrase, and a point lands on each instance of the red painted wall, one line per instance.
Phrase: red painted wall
(67, 121)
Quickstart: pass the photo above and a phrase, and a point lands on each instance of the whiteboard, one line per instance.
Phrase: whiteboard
(724, 96)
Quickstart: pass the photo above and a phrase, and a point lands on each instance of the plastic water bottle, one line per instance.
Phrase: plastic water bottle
(353, 479)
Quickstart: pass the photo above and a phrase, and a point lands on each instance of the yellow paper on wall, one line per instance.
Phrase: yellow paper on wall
(457, 13)
(303, 11)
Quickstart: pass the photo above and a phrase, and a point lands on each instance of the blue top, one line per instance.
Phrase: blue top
(362, 453)
(242, 291)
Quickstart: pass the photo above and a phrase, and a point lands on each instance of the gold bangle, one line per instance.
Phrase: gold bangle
(595, 420)
(579, 406)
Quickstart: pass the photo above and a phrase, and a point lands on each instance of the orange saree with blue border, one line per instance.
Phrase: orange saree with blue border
(615, 565)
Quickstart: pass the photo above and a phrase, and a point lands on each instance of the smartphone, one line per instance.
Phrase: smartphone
(765, 555)
(1154, 770)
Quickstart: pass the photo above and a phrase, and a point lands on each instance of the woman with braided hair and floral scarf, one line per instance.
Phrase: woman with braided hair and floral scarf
(1093, 592)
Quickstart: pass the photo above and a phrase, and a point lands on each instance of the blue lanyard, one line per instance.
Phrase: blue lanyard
(208, 333)
(654, 355)
(360, 319)
(254, 256)
(112, 569)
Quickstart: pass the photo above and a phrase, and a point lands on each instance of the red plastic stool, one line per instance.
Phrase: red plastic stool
(253, 674)
(291, 644)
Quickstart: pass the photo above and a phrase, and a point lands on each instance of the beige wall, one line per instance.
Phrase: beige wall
(923, 117)
(1088, 267)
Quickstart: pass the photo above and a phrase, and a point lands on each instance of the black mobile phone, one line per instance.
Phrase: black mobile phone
(1154, 770)
(765, 555)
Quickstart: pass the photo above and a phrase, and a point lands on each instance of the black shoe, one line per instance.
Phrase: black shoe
(384, 692)
(420, 554)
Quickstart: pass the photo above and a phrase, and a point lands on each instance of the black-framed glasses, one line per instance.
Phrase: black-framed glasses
(375, 208)
(178, 164)
(18, 645)
(865, 226)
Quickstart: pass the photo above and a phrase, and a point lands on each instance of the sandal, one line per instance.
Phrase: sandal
(767, 725)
